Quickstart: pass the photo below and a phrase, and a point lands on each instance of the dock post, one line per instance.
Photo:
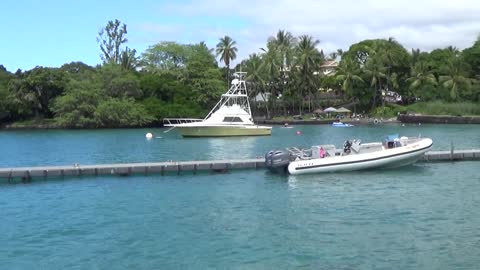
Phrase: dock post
(45, 173)
(179, 169)
(194, 168)
(162, 170)
(10, 176)
(27, 177)
(146, 170)
(451, 150)
(62, 172)
(96, 171)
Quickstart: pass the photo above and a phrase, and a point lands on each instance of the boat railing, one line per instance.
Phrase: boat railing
(300, 153)
(168, 122)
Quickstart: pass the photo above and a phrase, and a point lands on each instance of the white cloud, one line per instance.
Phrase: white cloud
(337, 24)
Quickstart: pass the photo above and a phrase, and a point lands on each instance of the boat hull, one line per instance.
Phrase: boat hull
(390, 158)
(224, 131)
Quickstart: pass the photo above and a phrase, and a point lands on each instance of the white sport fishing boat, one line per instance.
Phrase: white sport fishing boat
(231, 116)
(393, 152)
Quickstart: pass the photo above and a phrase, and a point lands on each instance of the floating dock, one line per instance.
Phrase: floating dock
(178, 167)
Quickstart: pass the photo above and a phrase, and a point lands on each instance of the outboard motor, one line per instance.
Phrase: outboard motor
(277, 160)
(347, 146)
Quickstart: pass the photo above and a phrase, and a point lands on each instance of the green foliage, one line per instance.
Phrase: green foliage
(115, 112)
(5, 78)
(76, 108)
(164, 85)
(160, 109)
(389, 111)
(126, 86)
(445, 108)
(35, 89)
(166, 55)
(119, 82)
(227, 51)
(111, 38)
(184, 80)
(472, 57)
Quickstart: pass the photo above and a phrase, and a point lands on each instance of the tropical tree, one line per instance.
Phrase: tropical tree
(284, 43)
(375, 71)
(128, 59)
(111, 38)
(472, 57)
(348, 76)
(415, 56)
(271, 63)
(253, 67)
(76, 107)
(455, 79)
(227, 51)
(165, 55)
(308, 63)
(422, 79)
(36, 88)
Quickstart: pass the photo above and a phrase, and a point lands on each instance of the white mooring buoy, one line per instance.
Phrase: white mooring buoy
(149, 136)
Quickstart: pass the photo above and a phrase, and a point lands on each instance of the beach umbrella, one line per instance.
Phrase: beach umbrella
(343, 110)
(330, 109)
(318, 111)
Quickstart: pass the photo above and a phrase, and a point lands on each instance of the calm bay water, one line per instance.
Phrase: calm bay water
(419, 217)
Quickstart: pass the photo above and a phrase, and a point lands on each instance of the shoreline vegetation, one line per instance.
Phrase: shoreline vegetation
(289, 76)
(403, 118)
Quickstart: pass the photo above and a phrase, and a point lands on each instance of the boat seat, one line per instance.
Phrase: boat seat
(300, 153)
(329, 149)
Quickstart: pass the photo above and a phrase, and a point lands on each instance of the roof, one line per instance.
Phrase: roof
(330, 109)
(343, 110)
(330, 63)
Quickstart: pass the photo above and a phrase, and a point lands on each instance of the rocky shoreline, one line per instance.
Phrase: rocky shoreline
(358, 121)
(424, 119)
(439, 119)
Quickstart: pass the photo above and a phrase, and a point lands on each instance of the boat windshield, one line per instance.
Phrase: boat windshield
(392, 141)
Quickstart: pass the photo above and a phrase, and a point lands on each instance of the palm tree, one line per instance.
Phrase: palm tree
(347, 75)
(415, 56)
(284, 43)
(332, 56)
(204, 46)
(455, 79)
(340, 52)
(389, 57)
(309, 60)
(254, 76)
(422, 76)
(376, 72)
(270, 67)
(227, 51)
(128, 60)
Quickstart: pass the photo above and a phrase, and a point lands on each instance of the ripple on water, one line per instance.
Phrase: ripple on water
(418, 217)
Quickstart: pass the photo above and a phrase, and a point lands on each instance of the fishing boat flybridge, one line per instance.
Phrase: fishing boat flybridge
(231, 116)
(394, 151)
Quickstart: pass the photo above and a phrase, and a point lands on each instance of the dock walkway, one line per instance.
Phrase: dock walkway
(177, 167)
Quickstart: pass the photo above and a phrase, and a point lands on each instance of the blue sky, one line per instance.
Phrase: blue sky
(53, 32)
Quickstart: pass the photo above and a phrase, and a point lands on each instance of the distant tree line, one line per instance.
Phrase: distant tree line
(288, 72)
(184, 80)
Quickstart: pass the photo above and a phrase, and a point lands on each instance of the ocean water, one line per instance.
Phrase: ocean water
(423, 216)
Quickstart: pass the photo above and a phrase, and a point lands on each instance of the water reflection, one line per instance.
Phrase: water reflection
(232, 147)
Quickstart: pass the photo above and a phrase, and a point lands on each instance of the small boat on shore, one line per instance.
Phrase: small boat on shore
(341, 124)
(230, 117)
(394, 151)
